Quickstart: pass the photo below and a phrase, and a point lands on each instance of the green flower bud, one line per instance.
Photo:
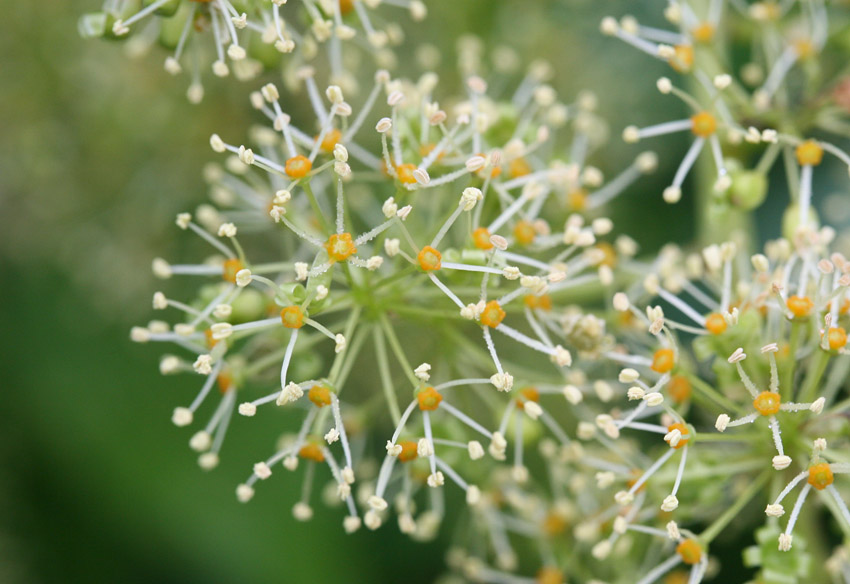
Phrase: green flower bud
(748, 190)
(167, 9)
(294, 292)
(791, 220)
(93, 25)
(475, 257)
(308, 365)
(452, 255)
(99, 24)
(171, 28)
(248, 306)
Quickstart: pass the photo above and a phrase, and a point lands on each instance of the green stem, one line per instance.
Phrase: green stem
(427, 313)
(261, 363)
(731, 513)
(386, 378)
(271, 267)
(745, 437)
(316, 208)
(786, 390)
(768, 158)
(351, 356)
(397, 350)
(809, 391)
(338, 360)
(712, 394)
(404, 273)
(792, 175)
(669, 476)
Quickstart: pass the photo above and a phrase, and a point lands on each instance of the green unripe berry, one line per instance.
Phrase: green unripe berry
(748, 190)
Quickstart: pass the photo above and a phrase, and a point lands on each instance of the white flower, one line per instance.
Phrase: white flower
(292, 392)
(424, 448)
(532, 409)
(436, 480)
(475, 449)
(182, 416)
(203, 364)
(470, 197)
(671, 503)
(244, 493)
(332, 436)
(262, 470)
(502, 381)
(422, 372)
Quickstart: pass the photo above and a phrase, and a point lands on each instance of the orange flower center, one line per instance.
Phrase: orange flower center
(549, 575)
(340, 247)
(577, 199)
(662, 361)
(820, 476)
(409, 451)
(679, 388)
(430, 259)
(837, 338)
(208, 336)
(527, 394)
(292, 317)
(493, 315)
(225, 381)
(481, 238)
(519, 167)
(715, 323)
(677, 578)
(809, 153)
(609, 254)
(524, 232)
(703, 124)
(554, 524)
(298, 166)
(772, 10)
(843, 309)
(767, 403)
(330, 140)
(800, 306)
(230, 268)
(703, 32)
(429, 399)
(312, 452)
(684, 430)
(543, 302)
(690, 551)
(405, 173)
(683, 58)
(320, 395)
(494, 172)
(805, 48)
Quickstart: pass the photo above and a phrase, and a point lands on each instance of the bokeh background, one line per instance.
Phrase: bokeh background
(98, 152)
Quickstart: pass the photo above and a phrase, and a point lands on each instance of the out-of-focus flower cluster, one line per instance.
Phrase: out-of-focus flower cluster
(428, 291)
(249, 36)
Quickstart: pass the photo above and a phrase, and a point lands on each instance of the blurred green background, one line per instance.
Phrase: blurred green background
(98, 152)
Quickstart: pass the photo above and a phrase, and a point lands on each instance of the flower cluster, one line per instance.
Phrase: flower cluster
(249, 36)
(429, 292)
